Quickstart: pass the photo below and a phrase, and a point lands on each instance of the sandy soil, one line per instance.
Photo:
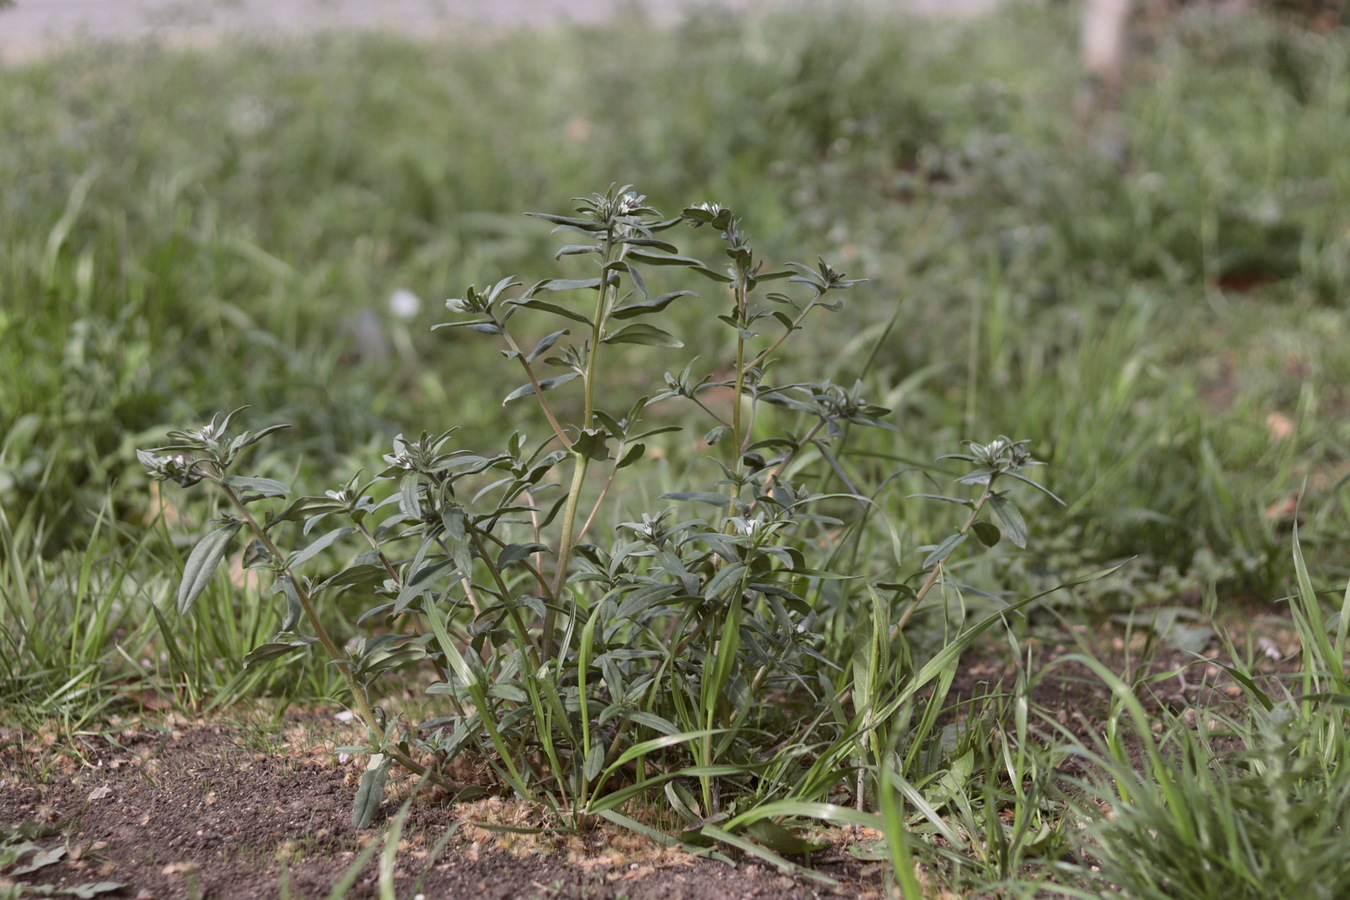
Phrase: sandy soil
(29, 28)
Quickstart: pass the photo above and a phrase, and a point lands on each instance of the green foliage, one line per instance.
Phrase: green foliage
(591, 670)
(1144, 325)
(1248, 803)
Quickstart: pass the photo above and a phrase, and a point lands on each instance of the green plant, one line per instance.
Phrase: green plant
(589, 673)
(1247, 802)
(20, 854)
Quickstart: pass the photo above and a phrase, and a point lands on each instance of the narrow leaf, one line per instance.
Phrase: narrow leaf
(257, 487)
(544, 345)
(944, 550)
(320, 545)
(1011, 517)
(641, 333)
(513, 553)
(657, 259)
(546, 384)
(370, 794)
(645, 307)
(201, 564)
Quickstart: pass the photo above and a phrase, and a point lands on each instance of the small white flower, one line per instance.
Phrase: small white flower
(404, 304)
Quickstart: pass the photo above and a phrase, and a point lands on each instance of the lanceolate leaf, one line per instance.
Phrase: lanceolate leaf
(656, 259)
(370, 794)
(641, 333)
(320, 545)
(256, 488)
(513, 553)
(201, 564)
(544, 345)
(944, 550)
(293, 607)
(655, 304)
(546, 384)
(1011, 517)
(275, 650)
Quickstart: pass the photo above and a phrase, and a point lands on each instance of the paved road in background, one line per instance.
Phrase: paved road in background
(31, 27)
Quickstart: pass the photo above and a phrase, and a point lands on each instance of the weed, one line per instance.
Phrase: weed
(591, 673)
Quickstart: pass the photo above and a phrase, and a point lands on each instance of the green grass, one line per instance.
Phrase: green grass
(186, 232)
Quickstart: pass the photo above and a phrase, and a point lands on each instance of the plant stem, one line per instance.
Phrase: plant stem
(538, 391)
(937, 567)
(363, 708)
(580, 461)
(740, 291)
(797, 323)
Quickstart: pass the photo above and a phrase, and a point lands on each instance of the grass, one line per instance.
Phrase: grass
(1171, 337)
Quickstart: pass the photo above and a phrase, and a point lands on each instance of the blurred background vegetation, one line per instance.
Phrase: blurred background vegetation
(277, 225)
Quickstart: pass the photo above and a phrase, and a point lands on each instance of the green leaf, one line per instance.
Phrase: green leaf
(201, 564)
(247, 439)
(41, 859)
(661, 837)
(546, 384)
(293, 607)
(696, 496)
(595, 761)
(557, 310)
(320, 545)
(276, 649)
(958, 501)
(781, 839)
(657, 259)
(988, 534)
(92, 889)
(256, 555)
(1011, 517)
(513, 553)
(366, 575)
(713, 275)
(306, 508)
(641, 333)
(646, 307)
(571, 221)
(652, 721)
(633, 455)
(944, 550)
(370, 794)
(728, 577)
(591, 444)
(571, 284)
(544, 345)
(255, 488)
(764, 853)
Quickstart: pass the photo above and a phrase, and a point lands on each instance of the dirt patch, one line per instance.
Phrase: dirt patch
(217, 810)
(262, 808)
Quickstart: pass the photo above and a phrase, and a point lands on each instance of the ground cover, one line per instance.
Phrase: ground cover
(1170, 337)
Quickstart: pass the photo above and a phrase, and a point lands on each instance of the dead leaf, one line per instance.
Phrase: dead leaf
(1279, 425)
(99, 793)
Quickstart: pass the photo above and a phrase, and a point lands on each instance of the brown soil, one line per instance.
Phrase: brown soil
(176, 809)
(222, 810)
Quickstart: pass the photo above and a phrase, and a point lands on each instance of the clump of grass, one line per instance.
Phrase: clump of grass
(1248, 803)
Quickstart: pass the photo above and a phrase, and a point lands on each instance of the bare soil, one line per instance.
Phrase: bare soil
(255, 807)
